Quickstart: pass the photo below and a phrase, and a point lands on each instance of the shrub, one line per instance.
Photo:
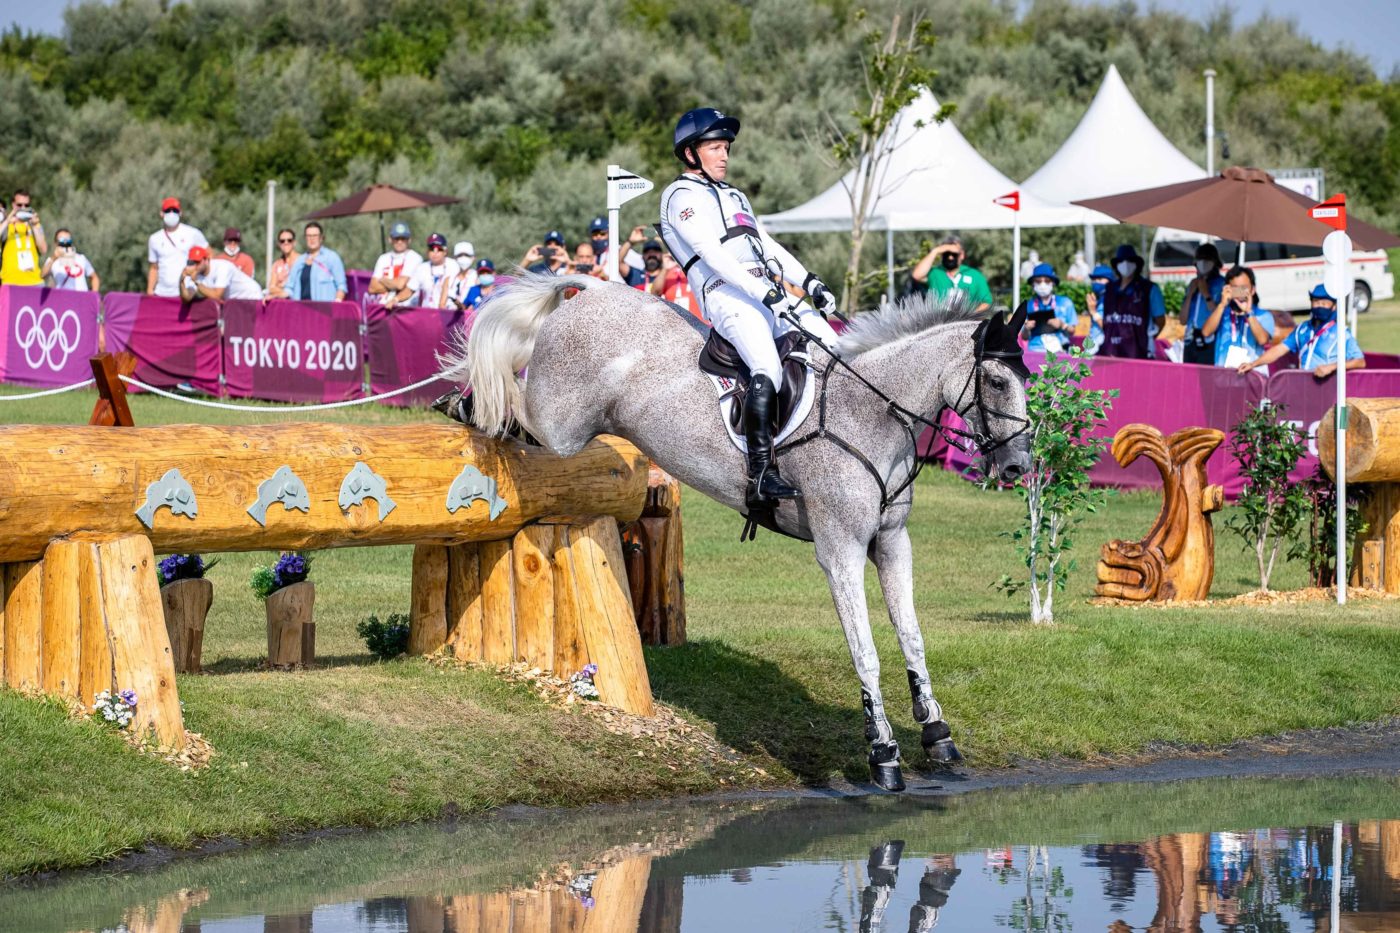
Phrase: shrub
(385, 640)
(1271, 509)
(1319, 546)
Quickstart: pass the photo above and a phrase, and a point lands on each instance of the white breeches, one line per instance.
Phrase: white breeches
(753, 329)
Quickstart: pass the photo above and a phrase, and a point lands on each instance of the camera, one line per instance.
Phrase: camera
(24, 214)
(547, 252)
(583, 267)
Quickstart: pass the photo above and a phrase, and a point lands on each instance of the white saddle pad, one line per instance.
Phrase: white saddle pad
(725, 389)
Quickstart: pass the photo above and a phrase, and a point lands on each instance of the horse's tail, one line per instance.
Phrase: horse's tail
(500, 343)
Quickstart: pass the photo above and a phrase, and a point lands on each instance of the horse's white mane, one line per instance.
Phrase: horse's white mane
(905, 318)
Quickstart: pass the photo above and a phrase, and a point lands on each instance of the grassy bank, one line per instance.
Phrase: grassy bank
(766, 669)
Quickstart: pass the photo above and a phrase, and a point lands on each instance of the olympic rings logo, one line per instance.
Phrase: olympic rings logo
(44, 336)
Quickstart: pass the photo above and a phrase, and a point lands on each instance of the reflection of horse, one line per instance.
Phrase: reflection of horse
(612, 360)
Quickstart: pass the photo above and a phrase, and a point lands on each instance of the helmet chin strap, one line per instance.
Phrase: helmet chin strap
(698, 166)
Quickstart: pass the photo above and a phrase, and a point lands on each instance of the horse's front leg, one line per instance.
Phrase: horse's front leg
(894, 562)
(843, 559)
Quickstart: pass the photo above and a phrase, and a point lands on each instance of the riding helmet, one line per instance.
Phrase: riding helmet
(701, 124)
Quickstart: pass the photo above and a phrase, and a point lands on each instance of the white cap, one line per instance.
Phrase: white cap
(463, 249)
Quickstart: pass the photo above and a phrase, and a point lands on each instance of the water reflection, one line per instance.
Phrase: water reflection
(1219, 855)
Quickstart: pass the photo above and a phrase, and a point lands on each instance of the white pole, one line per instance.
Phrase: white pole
(889, 259)
(612, 266)
(1336, 876)
(1336, 250)
(1016, 267)
(623, 186)
(271, 226)
(1090, 247)
(1210, 121)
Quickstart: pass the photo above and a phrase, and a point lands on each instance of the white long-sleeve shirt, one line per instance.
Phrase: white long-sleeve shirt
(712, 232)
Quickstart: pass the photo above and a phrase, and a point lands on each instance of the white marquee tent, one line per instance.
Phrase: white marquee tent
(1114, 149)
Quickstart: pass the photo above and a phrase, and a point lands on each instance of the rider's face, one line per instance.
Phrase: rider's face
(714, 157)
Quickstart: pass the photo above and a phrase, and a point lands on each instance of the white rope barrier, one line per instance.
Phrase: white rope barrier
(321, 407)
(59, 391)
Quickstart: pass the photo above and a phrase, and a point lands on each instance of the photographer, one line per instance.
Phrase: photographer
(586, 262)
(23, 244)
(548, 258)
(1315, 341)
(67, 268)
(952, 274)
(1202, 295)
(1239, 328)
(1050, 318)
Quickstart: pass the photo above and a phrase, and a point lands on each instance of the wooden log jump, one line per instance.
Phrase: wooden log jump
(1373, 460)
(508, 534)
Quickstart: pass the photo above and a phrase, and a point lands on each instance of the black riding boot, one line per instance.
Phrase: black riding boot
(760, 408)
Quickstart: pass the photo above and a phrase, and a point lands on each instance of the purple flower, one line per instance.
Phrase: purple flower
(290, 568)
(590, 670)
(128, 697)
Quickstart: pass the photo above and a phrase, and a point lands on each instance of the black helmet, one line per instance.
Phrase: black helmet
(701, 124)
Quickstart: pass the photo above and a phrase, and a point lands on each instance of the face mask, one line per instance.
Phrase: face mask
(231, 250)
(1100, 287)
(1126, 268)
(1203, 266)
(1323, 314)
(172, 218)
(1044, 289)
(486, 279)
(652, 263)
(951, 261)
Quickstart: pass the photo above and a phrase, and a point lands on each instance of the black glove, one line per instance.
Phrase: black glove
(773, 298)
(822, 298)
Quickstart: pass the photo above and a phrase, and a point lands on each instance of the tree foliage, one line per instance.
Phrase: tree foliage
(1271, 509)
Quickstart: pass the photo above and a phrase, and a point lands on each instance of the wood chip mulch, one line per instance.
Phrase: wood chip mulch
(1309, 594)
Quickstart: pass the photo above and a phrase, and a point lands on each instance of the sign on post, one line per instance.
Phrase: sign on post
(623, 186)
(1013, 202)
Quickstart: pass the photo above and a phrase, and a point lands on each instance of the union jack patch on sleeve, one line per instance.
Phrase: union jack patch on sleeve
(687, 213)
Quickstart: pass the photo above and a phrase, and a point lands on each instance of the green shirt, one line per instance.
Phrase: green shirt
(969, 280)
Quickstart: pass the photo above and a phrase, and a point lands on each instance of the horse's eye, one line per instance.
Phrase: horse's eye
(997, 383)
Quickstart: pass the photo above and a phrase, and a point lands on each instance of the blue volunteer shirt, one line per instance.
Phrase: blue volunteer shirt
(1200, 308)
(1064, 311)
(1236, 332)
(1317, 345)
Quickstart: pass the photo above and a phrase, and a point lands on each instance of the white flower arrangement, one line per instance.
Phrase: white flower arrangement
(118, 708)
(582, 682)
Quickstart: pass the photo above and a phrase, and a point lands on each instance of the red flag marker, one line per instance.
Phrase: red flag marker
(1012, 200)
(1332, 212)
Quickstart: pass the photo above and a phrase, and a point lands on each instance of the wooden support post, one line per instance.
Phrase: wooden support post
(534, 595)
(570, 655)
(24, 625)
(1370, 569)
(186, 605)
(111, 409)
(63, 636)
(497, 603)
(427, 631)
(464, 635)
(291, 626)
(655, 559)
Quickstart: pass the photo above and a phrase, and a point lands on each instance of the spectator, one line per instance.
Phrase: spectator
(67, 268)
(430, 282)
(1078, 270)
(1238, 328)
(393, 269)
(1099, 280)
(465, 254)
(631, 266)
(585, 262)
(676, 286)
(462, 292)
(320, 273)
(22, 243)
(233, 252)
(208, 278)
(1315, 341)
(549, 257)
(485, 279)
(282, 266)
(1028, 264)
(168, 250)
(598, 236)
(1132, 306)
(653, 268)
(1050, 318)
(952, 274)
(1203, 296)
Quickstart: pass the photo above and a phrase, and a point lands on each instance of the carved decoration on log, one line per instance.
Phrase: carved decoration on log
(1177, 558)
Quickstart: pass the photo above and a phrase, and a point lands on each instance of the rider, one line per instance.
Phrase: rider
(739, 273)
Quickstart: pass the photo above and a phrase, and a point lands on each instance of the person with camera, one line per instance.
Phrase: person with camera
(1100, 277)
(952, 274)
(168, 250)
(22, 243)
(1050, 318)
(1202, 295)
(1315, 341)
(1238, 328)
(68, 269)
(548, 258)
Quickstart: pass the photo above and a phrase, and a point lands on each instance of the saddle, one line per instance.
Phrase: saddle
(719, 359)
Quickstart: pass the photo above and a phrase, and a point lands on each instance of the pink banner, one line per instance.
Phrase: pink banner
(47, 335)
(1305, 399)
(293, 351)
(173, 342)
(402, 346)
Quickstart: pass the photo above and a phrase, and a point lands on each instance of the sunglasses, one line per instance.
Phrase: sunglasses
(286, 240)
(437, 249)
(65, 242)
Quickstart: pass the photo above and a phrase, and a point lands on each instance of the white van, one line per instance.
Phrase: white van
(1284, 274)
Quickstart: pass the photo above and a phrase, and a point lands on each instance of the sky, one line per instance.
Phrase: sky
(1370, 27)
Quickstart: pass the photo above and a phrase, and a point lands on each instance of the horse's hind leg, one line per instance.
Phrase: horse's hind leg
(894, 562)
(844, 563)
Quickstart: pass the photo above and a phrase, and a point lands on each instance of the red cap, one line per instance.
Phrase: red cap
(232, 233)
(170, 204)
(198, 253)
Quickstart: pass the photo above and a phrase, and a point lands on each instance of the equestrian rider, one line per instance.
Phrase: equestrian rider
(738, 272)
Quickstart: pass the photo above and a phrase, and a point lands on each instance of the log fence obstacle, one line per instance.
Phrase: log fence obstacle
(517, 557)
(1373, 463)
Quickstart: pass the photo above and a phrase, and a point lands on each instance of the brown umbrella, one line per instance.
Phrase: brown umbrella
(1240, 204)
(376, 199)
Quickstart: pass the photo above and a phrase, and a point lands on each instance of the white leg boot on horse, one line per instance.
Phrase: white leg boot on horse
(894, 563)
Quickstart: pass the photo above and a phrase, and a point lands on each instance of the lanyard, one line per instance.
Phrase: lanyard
(1306, 356)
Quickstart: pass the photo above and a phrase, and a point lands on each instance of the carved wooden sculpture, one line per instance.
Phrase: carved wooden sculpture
(1177, 558)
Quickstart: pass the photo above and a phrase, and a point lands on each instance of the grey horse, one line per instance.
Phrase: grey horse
(613, 360)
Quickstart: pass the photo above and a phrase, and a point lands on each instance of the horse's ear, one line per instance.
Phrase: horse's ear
(1018, 319)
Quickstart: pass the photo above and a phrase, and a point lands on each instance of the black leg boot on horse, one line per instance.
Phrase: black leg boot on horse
(760, 411)
(936, 737)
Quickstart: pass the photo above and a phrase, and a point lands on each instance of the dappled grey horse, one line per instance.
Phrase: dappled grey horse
(614, 360)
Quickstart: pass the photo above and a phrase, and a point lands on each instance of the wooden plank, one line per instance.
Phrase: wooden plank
(63, 634)
(570, 652)
(1389, 528)
(1373, 440)
(95, 661)
(427, 626)
(497, 603)
(55, 481)
(606, 618)
(24, 625)
(534, 595)
(141, 657)
(464, 634)
(672, 583)
(111, 409)
(1372, 575)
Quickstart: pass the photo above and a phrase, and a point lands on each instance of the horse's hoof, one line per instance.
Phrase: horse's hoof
(884, 767)
(937, 740)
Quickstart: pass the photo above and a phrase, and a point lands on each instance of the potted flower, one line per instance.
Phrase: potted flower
(185, 596)
(289, 597)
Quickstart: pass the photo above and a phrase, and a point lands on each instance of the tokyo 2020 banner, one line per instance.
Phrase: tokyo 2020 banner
(174, 343)
(293, 351)
(47, 335)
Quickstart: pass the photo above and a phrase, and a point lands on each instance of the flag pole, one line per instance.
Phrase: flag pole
(1336, 251)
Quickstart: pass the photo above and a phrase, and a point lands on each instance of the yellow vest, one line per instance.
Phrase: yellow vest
(20, 251)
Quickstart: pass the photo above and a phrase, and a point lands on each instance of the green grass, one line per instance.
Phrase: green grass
(766, 668)
(1380, 327)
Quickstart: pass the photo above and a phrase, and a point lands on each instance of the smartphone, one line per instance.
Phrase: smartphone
(547, 252)
(583, 267)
